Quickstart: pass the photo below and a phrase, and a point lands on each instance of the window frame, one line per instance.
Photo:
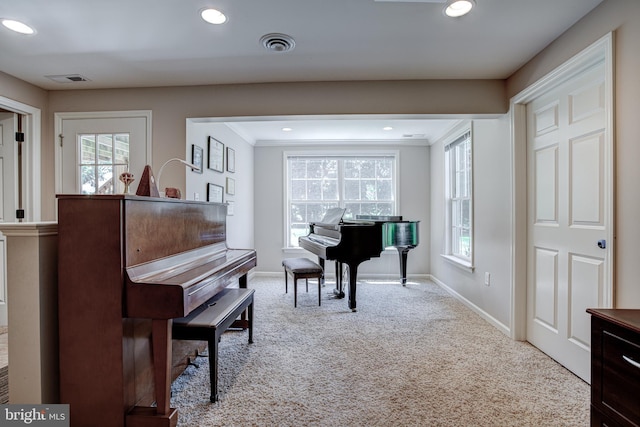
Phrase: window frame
(341, 155)
(464, 135)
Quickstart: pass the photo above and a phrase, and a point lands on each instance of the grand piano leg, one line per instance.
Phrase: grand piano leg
(403, 252)
(162, 415)
(353, 279)
(339, 290)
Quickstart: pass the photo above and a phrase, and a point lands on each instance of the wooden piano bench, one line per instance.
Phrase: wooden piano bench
(211, 319)
(301, 268)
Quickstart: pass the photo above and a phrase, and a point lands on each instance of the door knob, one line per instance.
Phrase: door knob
(602, 244)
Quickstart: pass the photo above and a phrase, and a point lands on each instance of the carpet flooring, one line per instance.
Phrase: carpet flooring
(410, 356)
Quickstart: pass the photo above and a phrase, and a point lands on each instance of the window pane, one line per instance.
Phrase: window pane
(87, 149)
(384, 190)
(122, 149)
(105, 180)
(298, 168)
(330, 189)
(88, 179)
(466, 213)
(360, 185)
(384, 168)
(111, 153)
(368, 169)
(298, 189)
(459, 174)
(314, 189)
(352, 190)
(351, 169)
(105, 148)
(297, 212)
(315, 169)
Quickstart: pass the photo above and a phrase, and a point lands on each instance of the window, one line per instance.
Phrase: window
(103, 157)
(459, 194)
(362, 184)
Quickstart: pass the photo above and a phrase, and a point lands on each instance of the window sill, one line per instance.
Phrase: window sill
(460, 263)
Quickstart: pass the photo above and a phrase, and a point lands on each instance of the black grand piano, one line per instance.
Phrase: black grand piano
(352, 242)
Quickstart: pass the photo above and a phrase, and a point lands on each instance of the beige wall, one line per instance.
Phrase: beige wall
(623, 18)
(172, 106)
(491, 222)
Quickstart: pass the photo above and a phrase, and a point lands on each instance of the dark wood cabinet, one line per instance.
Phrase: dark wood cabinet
(615, 367)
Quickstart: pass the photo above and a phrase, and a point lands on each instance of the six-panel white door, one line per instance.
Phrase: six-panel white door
(568, 192)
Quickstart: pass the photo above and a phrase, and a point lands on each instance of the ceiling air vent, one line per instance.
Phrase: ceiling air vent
(68, 78)
(275, 42)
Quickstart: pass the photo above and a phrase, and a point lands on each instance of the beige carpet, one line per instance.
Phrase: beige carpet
(410, 356)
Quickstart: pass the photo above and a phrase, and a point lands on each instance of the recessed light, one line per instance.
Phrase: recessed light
(286, 129)
(387, 128)
(457, 8)
(17, 26)
(213, 16)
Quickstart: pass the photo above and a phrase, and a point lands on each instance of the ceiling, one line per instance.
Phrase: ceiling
(148, 43)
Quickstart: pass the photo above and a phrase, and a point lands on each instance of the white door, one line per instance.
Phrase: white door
(8, 163)
(8, 182)
(94, 151)
(568, 193)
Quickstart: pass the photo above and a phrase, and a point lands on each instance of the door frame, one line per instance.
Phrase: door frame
(31, 167)
(601, 50)
(60, 117)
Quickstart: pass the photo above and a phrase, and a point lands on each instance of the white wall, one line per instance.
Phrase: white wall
(413, 175)
(492, 222)
(239, 225)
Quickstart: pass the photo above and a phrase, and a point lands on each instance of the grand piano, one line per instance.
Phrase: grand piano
(352, 242)
(127, 266)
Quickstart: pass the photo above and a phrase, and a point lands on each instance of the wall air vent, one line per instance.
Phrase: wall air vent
(68, 78)
(275, 42)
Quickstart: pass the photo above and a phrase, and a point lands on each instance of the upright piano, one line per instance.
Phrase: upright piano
(353, 242)
(127, 266)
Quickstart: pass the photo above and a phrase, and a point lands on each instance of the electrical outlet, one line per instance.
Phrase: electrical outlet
(196, 196)
(487, 278)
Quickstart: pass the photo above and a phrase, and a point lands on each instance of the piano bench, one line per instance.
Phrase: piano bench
(301, 268)
(209, 321)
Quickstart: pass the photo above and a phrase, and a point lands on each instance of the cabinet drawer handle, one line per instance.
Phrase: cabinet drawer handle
(630, 360)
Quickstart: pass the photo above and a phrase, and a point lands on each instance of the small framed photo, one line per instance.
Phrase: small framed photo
(196, 157)
(230, 207)
(231, 186)
(214, 193)
(216, 155)
(231, 160)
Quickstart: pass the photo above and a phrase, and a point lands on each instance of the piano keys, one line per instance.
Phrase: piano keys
(127, 266)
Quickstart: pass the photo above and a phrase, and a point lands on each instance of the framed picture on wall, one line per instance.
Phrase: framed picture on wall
(231, 186)
(216, 155)
(231, 160)
(214, 193)
(230, 207)
(196, 157)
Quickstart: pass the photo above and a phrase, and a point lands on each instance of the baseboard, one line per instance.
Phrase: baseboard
(486, 316)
